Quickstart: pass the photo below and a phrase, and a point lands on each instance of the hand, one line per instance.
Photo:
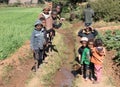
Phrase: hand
(33, 51)
(62, 19)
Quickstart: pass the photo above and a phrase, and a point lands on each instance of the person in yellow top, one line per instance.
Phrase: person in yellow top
(98, 53)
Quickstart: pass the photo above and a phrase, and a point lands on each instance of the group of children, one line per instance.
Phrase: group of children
(91, 54)
(44, 31)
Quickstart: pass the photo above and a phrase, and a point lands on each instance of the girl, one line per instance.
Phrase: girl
(98, 53)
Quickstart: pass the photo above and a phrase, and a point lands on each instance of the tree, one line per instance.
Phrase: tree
(4, 1)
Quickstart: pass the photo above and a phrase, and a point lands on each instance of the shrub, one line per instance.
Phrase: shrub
(112, 42)
(108, 10)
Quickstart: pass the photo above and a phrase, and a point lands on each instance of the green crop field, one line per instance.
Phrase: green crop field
(16, 25)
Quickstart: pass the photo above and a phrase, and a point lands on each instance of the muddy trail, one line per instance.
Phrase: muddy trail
(64, 76)
(67, 77)
(15, 70)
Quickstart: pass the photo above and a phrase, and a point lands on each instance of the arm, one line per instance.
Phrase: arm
(40, 15)
(80, 33)
(79, 57)
(93, 13)
(88, 55)
(56, 26)
(83, 56)
(102, 53)
(83, 14)
(32, 41)
(95, 32)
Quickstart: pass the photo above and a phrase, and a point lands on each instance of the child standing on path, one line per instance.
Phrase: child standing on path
(98, 53)
(83, 42)
(37, 43)
(86, 56)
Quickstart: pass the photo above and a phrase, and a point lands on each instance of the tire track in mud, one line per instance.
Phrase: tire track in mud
(64, 76)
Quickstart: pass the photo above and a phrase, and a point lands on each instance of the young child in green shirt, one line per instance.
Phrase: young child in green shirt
(85, 61)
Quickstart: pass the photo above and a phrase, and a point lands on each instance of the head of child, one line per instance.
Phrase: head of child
(58, 8)
(46, 10)
(88, 6)
(54, 14)
(84, 41)
(99, 44)
(88, 29)
(42, 19)
(90, 43)
(38, 25)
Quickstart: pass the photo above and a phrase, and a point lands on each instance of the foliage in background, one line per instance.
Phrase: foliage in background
(112, 42)
(15, 27)
(4, 1)
(107, 10)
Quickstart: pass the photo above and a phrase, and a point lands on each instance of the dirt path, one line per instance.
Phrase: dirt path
(15, 70)
(64, 77)
(107, 80)
(108, 72)
(21, 63)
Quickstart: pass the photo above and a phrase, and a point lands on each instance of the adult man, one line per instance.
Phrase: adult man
(88, 15)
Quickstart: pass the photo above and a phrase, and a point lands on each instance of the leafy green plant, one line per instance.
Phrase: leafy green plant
(107, 10)
(112, 42)
(15, 28)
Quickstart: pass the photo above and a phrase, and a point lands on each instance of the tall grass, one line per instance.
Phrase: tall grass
(16, 25)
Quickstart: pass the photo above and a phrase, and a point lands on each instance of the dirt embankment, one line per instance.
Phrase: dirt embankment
(14, 70)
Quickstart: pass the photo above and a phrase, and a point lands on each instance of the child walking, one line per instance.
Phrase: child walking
(98, 53)
(37, 43)
(86, 56)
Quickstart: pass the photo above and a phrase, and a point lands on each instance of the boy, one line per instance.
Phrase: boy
(86, 56)
(88, 32)
(37, 43)
(83, 42)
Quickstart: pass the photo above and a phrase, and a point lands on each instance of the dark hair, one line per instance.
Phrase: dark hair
(37, 25)
(88, 6)
(42, 18)
(98, 42)
(54, 11)
(60, 8)
(90, 29)
(91, 40)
